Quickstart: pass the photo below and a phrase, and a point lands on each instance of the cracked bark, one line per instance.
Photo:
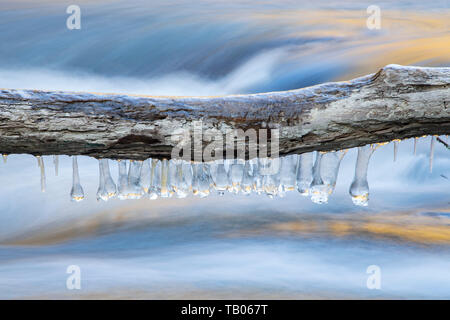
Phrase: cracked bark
(395, 103)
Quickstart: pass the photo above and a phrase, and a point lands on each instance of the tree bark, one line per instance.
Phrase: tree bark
(395, 103)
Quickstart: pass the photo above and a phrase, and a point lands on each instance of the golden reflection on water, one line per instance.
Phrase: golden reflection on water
(411, 226)
(406, 37)
(407, 226)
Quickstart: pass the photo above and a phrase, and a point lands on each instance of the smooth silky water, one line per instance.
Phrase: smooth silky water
(288, 235)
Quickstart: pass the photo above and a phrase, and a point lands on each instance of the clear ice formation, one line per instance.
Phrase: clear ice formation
(155, 178)
(134, 189)
(56, 164)
(325, 172)
(305, 173)
(41, 165)
(431, 153)
(312, 174)
(359, 189)
(123, 180)
(76, 193)
(106, 187)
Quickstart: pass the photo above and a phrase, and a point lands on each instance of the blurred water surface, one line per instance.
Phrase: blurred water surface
(178, 47)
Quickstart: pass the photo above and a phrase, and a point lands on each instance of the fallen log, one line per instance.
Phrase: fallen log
(395, 103)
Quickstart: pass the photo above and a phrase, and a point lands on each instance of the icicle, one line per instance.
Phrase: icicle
(415, 145)
(329, 169)
(228, 164)
(195, 178)
(395, 150)
(5, 158)
(101, 191)
(183, 178)
(134, 190)
(56, 164)
(247, 184)
(165, 192)
(175, 175)
(145, 176)
(271, 185)
(188, 177)
(288, 173)
(359, 189)
(201, 180)
(171, 177)
(220, 178)
(305, 173)
(77, 193)
(258, 185)
(42, 167)
(318, 194)
(110, 186)
(122, 180)
(431, 154)
(396, 141)
(236, 175)
(155, 180)
(270, 176)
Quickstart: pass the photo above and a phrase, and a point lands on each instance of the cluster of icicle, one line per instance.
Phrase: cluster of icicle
(310, 175)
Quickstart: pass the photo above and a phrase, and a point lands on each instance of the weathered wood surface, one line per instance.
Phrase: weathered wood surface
(395, 103)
